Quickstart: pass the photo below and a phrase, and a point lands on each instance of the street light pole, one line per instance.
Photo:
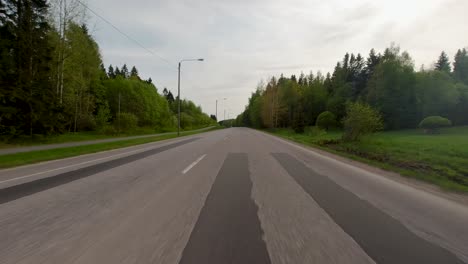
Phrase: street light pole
(178, 102)
(217, 120)
(178, 94)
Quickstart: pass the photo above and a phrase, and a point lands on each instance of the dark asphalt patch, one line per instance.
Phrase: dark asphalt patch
(382, 237)
(21, 190)
(228, 229)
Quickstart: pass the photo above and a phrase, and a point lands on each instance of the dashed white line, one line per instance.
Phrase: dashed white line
(193, 164)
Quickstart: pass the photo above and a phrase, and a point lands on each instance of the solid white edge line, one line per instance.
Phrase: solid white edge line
(193, 164)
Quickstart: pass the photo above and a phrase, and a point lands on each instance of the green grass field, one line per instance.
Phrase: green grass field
(441, 159)
(18, 159)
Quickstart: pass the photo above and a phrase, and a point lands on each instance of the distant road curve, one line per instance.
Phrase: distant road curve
(83, 143)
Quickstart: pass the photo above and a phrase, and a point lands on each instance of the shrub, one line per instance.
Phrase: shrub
(126, 122)
(326, 120)
(102, 117)
(431, 124)
(86, 123)
(108, 130)
(361, 119)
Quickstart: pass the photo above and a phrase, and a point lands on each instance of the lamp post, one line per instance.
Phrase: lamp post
(178, 94)
(217, 120)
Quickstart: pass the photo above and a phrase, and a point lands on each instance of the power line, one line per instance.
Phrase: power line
(127, 36)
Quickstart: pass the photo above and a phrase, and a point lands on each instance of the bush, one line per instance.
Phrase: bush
(126, 122)
(361, 119)
(102, 117)
(108, 130)
(431, 124)
(326, 120)
(86, 123)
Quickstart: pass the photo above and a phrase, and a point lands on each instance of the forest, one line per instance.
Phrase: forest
(53, 80)
(386, 82)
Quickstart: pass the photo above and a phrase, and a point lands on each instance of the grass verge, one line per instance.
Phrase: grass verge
(24, 141)
(24, 158)
(440, 159)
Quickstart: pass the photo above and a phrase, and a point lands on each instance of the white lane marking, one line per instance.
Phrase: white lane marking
(193, 164)
(74, 165)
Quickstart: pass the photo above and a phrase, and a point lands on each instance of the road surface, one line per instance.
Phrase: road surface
(5, 151)
(228, 196)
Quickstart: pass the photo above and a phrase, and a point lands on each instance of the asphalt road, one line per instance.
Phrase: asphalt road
(226, 196)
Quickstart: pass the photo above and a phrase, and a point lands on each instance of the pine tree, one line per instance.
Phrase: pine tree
(293, 78)
(124, 72)
(443, 63)
(460, 66)
(372, 61)
(111, 72)
(30, 90)
(134, 73)
(117, 72)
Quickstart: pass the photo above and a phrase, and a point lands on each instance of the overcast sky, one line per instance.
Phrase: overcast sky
(245, 41)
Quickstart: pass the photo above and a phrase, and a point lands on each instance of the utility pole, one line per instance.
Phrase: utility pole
(119, 116)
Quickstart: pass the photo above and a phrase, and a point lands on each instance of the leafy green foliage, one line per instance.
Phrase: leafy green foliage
(52, 80)
(126, 122)
(431, 124)
(361, 119)
(326, 120)
(387, 82)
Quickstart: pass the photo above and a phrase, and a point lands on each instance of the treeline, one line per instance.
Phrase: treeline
(387, 82)
(52, 79)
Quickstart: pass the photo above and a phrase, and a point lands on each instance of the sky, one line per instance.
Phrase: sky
(246, 41)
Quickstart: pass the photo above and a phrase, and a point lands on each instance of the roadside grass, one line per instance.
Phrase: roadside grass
(24, 141)
(441, 159)
(23, 158)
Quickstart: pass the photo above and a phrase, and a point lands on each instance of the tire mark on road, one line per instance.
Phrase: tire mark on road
(21, 190)
(228, 229)
(382, 237)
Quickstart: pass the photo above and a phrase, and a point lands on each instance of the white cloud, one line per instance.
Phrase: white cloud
(244, 41)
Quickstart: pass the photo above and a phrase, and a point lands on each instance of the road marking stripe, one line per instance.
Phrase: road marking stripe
(193, 164)
(74, 165)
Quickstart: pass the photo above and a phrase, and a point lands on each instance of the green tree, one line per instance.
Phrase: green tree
(361, 119)
(443, 63)
(391, 90)
(124, 71)
(326, 120)
(26, 96)
(111, 72)
(134, 73)
(460, 66)
(117, 72)
(81, 78)
(315, 98)
(437, 94)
